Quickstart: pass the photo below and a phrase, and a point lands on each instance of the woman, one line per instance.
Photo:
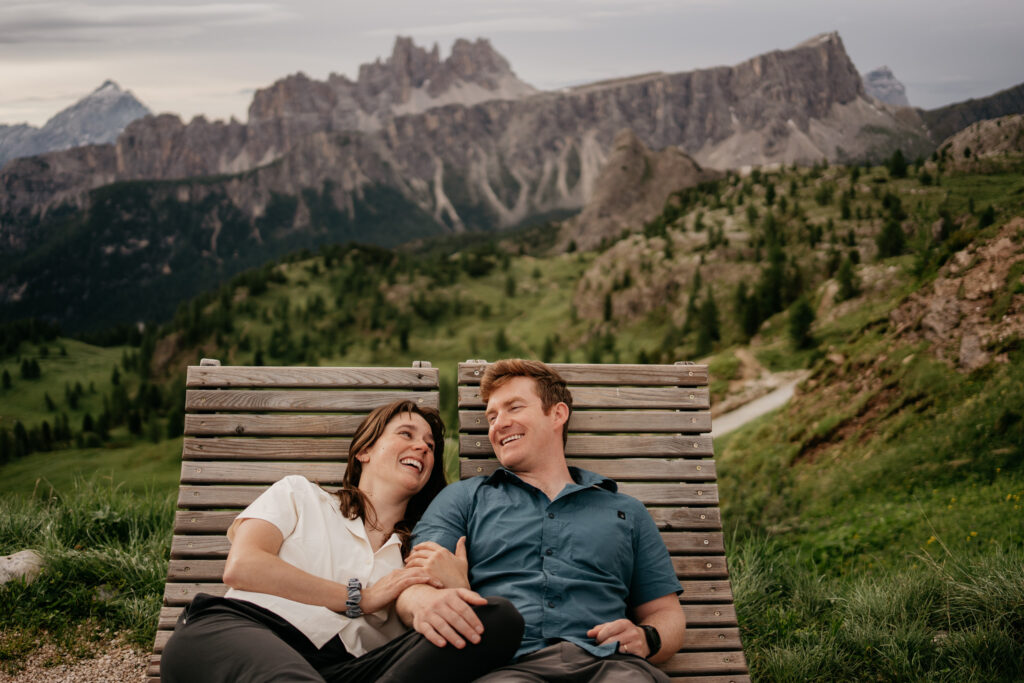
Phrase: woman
(314, 576)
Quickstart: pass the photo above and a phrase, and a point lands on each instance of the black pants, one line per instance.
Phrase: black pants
(217, 640)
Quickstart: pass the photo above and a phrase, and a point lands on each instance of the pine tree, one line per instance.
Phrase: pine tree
(801, 317)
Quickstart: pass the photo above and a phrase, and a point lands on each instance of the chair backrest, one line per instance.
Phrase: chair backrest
(246, 428)
(648, 427)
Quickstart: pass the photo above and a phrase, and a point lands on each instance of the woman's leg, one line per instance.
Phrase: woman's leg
(413, 658)
(218, 645)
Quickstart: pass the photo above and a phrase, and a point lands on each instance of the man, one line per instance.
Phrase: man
(582, 563)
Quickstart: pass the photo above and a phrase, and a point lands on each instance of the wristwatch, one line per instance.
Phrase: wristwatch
(355, 595)
(653, 639)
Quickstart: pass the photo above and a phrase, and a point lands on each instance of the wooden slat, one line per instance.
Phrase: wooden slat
(709, 639)
(610, 446)
(706, 662)
(154, 666)
(637, 398)
(195, 570)
(672, 494)
(161, 639)
(301, 401)
(704, 616)
(681, 518)
(207, 497)
(622, 374)
(187, 546)
(616, 421)
(259, 472)
(203, 521)
(355, 378)
(265, 449)
(271, 425)
(706, 567)
(636, 469)
(705, 591)
(724, 678)
(693, 542)
(168, 617)
(181, 594)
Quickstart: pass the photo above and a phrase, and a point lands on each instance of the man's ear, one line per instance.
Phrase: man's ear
(559, 413)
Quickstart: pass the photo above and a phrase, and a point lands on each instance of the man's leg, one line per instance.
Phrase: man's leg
(413, 658)
(572, 664)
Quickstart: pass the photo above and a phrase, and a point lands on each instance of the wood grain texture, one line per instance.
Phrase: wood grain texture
(187, 546)
(281, 448)
(203, 521)
(684, 518)
(622, 374)
(301, 401)
(616, 421)
(710, 639)
(259, 472)
(641, 445)
(706, 663)
(634, 469)
(710, 615)
(271, 425)
(195, 570)
(693, 542)
(672, 494)
(326, 377)
(701, 566)
(636, 398)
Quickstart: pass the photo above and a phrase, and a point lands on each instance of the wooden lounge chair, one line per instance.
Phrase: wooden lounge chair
(647, 426)
(247, 427)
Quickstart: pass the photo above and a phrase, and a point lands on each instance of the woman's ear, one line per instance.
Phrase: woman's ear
(363, 456)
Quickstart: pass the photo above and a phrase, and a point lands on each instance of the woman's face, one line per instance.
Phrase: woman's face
(402, 457)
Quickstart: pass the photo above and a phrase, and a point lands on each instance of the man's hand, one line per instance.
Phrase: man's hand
(451, 569)
(443, 616)
(384, 592)
(630, 637)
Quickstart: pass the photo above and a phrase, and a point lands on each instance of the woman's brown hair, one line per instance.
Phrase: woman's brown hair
(354, 502)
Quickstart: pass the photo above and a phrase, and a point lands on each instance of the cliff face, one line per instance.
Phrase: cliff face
(883, 85)
(493, 155)
(418, 146)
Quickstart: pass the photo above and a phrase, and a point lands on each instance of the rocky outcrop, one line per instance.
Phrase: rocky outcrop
(631, 189)
(975, 304)
(882, 84)
(97, 118)
(985, 141)
(945, 121)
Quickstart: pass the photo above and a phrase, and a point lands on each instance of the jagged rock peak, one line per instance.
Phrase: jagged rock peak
(830, 38)
(882, 84)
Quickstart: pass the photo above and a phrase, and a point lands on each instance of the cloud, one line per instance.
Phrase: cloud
(484, 27)
(65, 21)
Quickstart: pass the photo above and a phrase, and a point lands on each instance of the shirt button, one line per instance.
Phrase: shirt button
(550, 604)
(551, 515)
(549, 551)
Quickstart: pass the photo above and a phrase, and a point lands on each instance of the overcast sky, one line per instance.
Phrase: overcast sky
(194, 58)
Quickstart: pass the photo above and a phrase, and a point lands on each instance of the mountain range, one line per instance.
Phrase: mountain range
(415, 146)
(97, 118)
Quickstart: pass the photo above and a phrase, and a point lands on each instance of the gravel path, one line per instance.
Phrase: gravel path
(121, 664)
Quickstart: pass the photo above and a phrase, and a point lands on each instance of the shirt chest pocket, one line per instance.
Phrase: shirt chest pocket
(602, 543)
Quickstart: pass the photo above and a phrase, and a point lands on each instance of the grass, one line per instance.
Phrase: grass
(105, 551)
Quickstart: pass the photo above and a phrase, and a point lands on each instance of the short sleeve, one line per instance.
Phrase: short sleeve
(280, 504)
(653, 573)
(446, 518)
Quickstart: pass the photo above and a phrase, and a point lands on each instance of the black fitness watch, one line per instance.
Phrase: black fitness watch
(653, 639)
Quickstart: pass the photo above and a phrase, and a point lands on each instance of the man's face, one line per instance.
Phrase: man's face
(519, 431)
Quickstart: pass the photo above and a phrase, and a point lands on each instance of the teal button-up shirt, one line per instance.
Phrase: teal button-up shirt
(585, 558)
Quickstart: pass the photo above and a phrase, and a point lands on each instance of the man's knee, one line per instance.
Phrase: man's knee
(503, 625)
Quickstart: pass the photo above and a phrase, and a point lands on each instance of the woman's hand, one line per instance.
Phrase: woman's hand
(451, 569)
(384, 592)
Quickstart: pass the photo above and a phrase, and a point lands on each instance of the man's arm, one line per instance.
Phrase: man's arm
(664, 614)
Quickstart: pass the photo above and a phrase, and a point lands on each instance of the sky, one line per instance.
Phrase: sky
(207, 58)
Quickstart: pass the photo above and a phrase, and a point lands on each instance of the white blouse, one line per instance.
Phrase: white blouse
(322, 541)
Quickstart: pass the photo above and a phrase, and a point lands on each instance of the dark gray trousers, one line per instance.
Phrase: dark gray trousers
(569, 663)
(218, 641)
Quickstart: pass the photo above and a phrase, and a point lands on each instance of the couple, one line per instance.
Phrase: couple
(320, 591)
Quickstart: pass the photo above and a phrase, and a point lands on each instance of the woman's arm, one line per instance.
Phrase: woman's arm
(253, 565)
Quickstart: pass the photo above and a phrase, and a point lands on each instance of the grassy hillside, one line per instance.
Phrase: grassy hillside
(874, 523)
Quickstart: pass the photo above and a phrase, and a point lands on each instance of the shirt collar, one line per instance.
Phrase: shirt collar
(357, 528)
(582, 478)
